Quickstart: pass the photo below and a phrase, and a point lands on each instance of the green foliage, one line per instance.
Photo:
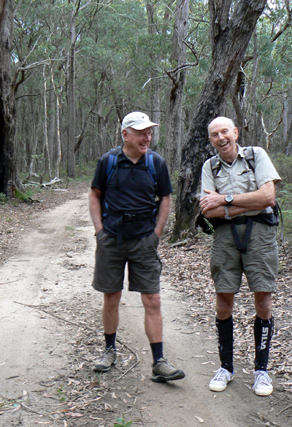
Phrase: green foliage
(285, 202)
(120, 54)
(3, 198)
(61, 394)
(284, 165)
(21, 196)
(85, 171)
(122, 423)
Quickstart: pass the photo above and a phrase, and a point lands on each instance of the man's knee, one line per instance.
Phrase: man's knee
(263, 304)
(151, 302)
(111, 300)
(224, 305)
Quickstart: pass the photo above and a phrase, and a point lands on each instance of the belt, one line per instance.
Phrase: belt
(238, 220)
(248, 220)
(127, 217)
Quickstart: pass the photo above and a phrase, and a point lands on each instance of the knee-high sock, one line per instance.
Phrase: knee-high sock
(225, 339)
(263, 331)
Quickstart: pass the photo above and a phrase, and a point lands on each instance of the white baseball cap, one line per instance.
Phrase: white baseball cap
(137, 120)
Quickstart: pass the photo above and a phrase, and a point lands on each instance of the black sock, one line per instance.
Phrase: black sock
(225, 339)
(110, 340)
(263, 331)
(157, 351)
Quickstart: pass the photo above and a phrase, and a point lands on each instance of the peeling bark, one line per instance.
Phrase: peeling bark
(230, 35)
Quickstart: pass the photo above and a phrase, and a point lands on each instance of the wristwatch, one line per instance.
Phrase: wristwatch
(229, 199)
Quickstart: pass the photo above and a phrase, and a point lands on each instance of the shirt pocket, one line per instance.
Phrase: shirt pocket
(245, 182)
(223, 183)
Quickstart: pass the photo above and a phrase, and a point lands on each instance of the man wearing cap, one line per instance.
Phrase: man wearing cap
(128, 222)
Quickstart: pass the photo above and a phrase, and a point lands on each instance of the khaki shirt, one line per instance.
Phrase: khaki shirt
(238, 178)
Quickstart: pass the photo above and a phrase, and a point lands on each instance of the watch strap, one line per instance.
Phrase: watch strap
(227, 215)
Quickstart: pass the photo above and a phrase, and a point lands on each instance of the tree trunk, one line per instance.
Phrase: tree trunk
(229, 40)
(155, 86)
(71, 102)
(254, 125)
(59, 152)
(8, 170)
(52, 124)
(58, 136)
(177, 80)
(287, 126)
(46, 142)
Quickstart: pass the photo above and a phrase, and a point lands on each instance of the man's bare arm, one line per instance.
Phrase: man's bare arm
(220, 212)
(95, 208)
(163, 214)
(254, 200)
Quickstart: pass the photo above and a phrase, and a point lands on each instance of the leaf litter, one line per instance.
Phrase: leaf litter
(92, 396)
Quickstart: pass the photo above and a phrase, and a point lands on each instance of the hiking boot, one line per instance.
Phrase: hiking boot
(221, 379)
(163, 371)
(262, 383)
(107, 359)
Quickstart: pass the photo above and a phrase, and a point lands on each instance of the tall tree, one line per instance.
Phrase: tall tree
(7, 101)
(155, 81)
(71, 92)
(230, 34)
(177, 78)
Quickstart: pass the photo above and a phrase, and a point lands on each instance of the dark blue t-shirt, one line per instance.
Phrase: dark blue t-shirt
(131, 191)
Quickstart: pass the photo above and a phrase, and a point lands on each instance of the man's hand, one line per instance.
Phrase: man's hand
(95, 208)
(211, 201)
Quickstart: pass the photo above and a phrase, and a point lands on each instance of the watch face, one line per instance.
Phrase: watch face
(229, 198)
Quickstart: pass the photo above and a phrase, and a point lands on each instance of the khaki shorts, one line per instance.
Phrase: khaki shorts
(144, 266)
(259, 263)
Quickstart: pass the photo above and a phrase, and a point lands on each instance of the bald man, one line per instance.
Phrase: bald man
(238, 191)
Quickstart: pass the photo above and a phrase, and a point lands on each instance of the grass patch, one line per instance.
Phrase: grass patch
(122, 423)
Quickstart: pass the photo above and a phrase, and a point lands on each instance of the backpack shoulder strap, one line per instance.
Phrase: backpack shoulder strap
(249, 157)
(149, 162)
(215, 165)
(112, 162)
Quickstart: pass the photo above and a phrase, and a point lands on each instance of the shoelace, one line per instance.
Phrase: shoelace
(165, 365)
(105, 354)
(263, 379)
(221, 375)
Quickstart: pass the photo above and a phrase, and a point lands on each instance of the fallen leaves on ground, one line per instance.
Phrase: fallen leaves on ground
(187, 269)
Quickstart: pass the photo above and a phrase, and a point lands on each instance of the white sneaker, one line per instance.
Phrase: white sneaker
(262, 383)
(221, 379)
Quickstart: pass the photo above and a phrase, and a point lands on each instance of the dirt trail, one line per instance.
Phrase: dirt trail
(51, 331)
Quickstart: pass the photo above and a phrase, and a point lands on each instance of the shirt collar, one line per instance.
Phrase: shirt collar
(240, 153)
(123, 158)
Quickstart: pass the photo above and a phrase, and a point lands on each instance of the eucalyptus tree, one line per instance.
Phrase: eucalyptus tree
(124, 52)
(231, 27)
(46, 34)
(39, 47)
(7, 101)
(155, 84)
(262, 93)
(177, 78)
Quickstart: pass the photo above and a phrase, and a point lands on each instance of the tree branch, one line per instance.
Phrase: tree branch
(287, 24)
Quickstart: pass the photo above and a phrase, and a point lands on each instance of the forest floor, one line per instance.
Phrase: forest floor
(51, 331)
